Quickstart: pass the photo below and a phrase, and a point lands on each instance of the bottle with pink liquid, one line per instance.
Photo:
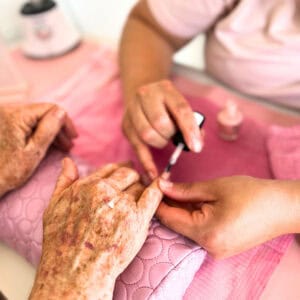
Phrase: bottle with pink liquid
(229, 121)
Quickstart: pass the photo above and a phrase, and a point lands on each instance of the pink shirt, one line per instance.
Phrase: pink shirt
(252, 45)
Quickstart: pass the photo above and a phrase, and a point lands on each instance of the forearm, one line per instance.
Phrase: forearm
(57, 287)
(145, 55)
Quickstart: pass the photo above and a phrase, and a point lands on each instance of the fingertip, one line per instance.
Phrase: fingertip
(164, 184)
(59, 113)
(196, 143)
(69, 168)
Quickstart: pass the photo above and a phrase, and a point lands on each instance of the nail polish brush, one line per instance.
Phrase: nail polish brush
(178, 140)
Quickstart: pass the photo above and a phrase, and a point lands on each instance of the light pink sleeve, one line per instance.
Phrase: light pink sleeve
(187, 18)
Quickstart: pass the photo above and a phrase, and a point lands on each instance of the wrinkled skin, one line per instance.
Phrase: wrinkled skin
(231, 214)
(93, 228)
(152, 117)
(26, 132)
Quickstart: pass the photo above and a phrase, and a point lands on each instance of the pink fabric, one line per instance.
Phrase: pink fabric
(163, 269)
(283, 145)
(13, 88)
(251, 45)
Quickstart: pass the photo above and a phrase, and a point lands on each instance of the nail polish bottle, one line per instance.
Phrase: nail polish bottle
(229, 121)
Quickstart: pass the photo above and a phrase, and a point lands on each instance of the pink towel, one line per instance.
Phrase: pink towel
(284, 150)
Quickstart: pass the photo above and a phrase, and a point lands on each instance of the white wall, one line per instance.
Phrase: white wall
(103, 19)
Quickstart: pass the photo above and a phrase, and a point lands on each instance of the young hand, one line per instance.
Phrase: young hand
(232, 214)
(152, 118)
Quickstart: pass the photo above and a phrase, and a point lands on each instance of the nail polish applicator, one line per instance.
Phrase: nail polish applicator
(180, 144)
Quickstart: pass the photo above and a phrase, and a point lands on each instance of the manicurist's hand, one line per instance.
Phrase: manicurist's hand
(232, 214)
(26, 132)
(93, 228)
(153, 115)
(154, 108)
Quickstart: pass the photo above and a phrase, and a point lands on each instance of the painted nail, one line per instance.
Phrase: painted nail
(165, 175)
(164, 184)
(197, 145)
(60, 113)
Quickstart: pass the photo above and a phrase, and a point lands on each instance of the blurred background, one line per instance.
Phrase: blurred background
(98, 19)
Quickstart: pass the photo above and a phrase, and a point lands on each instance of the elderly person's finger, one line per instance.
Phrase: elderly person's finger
(63, 142)
(149, 201)
(69, 128)
(69, 174)
(135, 190)
(46, 131)
(123, 178)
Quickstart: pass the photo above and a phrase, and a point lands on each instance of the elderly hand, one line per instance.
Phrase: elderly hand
(93, 228)
(152, 118)
(232, 214)
(26, 132)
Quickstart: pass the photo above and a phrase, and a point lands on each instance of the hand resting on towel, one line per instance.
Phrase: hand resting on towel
(26, 132)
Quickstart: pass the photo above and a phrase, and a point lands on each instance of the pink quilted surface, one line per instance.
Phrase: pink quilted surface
(163, 269)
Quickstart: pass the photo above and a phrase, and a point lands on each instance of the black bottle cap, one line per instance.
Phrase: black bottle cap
(178, 137)
(31, 8)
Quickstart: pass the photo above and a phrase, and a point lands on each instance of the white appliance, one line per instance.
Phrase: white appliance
(47, 32)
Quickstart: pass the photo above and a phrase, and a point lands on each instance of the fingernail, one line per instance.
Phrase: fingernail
(164, 184)
(165, 175)
(152, 174)
(197, 145)
(60, 113)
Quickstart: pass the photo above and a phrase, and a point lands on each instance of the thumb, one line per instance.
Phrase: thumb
(178, 219)
(190, 192)
(68, 175)
(46, 130)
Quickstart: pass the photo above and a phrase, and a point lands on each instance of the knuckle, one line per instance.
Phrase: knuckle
(147, 134)
(142, 90)
(150, 137)
(166, 84)
(162, 122)
(183, 109)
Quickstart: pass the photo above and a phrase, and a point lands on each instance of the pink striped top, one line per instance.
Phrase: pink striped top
(252, 45)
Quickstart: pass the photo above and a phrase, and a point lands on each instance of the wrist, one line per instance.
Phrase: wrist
(61, 289)
(289, 190)
(3, 187)
(96, 282)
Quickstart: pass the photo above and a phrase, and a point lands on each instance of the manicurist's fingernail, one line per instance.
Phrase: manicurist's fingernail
(164, 184)
(165, 175)
(197, 145)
